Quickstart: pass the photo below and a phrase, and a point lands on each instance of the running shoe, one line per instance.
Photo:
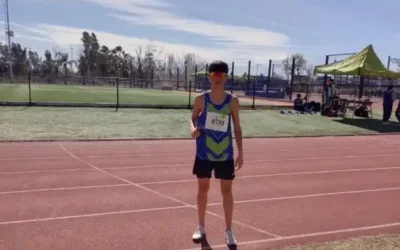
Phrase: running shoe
(230, 238)
(199, 233)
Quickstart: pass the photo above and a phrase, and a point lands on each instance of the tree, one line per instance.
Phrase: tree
(19, 56)
(48, 64)
(89, 56)
(299, 66)
(97, 60)
(310, 73)
(35, 62)
(144, 60)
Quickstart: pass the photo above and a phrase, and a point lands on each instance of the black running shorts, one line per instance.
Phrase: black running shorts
(224, 170)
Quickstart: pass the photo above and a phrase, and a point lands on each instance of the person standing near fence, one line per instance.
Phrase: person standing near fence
(210, 125)
(397, 112)
(329, 92)
(388, 98)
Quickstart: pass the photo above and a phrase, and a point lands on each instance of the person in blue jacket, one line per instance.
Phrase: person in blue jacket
(388, 98)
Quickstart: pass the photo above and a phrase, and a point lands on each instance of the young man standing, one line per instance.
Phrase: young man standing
(389, 97)
(210, 125)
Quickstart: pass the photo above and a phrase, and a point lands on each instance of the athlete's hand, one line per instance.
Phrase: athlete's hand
(195, 133)
(239, 162)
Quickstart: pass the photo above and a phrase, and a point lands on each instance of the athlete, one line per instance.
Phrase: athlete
(210, 125)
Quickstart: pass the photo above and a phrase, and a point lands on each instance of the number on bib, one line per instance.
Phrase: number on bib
(217, 122)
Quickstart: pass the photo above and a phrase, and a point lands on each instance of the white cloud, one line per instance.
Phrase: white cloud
(126, 4)
(66, 36)
(36, 38)
(230, 34)
(230, 43)
(62, 37)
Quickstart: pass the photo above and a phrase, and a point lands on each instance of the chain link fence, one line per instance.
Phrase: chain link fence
(159, 89)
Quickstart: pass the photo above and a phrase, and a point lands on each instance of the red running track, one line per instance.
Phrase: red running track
(141, 194)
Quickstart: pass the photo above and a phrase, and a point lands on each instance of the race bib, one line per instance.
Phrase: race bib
(217, 122)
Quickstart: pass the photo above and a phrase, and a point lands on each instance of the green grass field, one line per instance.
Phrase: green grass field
(94, 95)
(19, 123)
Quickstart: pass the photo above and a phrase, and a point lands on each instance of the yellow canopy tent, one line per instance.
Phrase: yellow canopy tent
(364, 63)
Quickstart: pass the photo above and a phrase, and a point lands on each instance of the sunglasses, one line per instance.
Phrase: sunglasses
(218, 74)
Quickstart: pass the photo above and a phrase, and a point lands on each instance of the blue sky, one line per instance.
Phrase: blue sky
(256, 30)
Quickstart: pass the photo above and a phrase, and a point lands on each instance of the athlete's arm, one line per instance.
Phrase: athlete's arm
(197, 108)
(237, 129)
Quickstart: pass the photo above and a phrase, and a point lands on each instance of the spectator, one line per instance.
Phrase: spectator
(388, 98)
(298, 103)
(397, 113)
(329, 92)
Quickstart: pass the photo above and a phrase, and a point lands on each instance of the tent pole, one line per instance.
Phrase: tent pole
(325, 80)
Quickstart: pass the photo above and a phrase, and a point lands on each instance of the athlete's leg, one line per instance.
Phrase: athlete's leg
(203, 172)
(202, 192)
(226, 191)
(226, 173)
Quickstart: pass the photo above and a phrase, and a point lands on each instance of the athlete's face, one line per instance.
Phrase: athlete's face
(217, 79)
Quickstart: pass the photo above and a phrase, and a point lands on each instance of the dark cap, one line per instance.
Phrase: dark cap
(218, 66)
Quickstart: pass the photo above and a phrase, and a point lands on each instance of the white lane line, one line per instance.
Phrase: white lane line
(394, 142)
(194, 180)
(91, 215)
(281, 174)
(191, 206)
(34, 158)
(311, 196)
(253, 151)
(163, 195)
(124, 144)
(185, 153)
(62, 189)
(151, 166)
(247, 161)
(299, 236)
(47, 171)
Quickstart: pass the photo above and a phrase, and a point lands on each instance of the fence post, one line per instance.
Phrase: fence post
(269, 76)
(248, 86)
(325, 80)
(195, 77)
(177, 78)
(186, 71)
(30, 91)
(152, 77)
(292, 79)
(207, 82)
(307, 92)
(232, 76)
(190, 94)
(117, 93)
(248, 77)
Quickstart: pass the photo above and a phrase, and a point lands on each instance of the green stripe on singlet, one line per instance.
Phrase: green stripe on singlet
(223, 157)
(224, 110)
(215, 147)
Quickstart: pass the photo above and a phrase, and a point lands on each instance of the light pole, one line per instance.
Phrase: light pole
(273, 69)
(9, 34)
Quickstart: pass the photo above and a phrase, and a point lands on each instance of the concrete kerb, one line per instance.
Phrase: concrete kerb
(188, 138)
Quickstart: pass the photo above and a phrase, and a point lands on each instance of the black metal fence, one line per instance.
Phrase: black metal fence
(348, 87)
(169, 90)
